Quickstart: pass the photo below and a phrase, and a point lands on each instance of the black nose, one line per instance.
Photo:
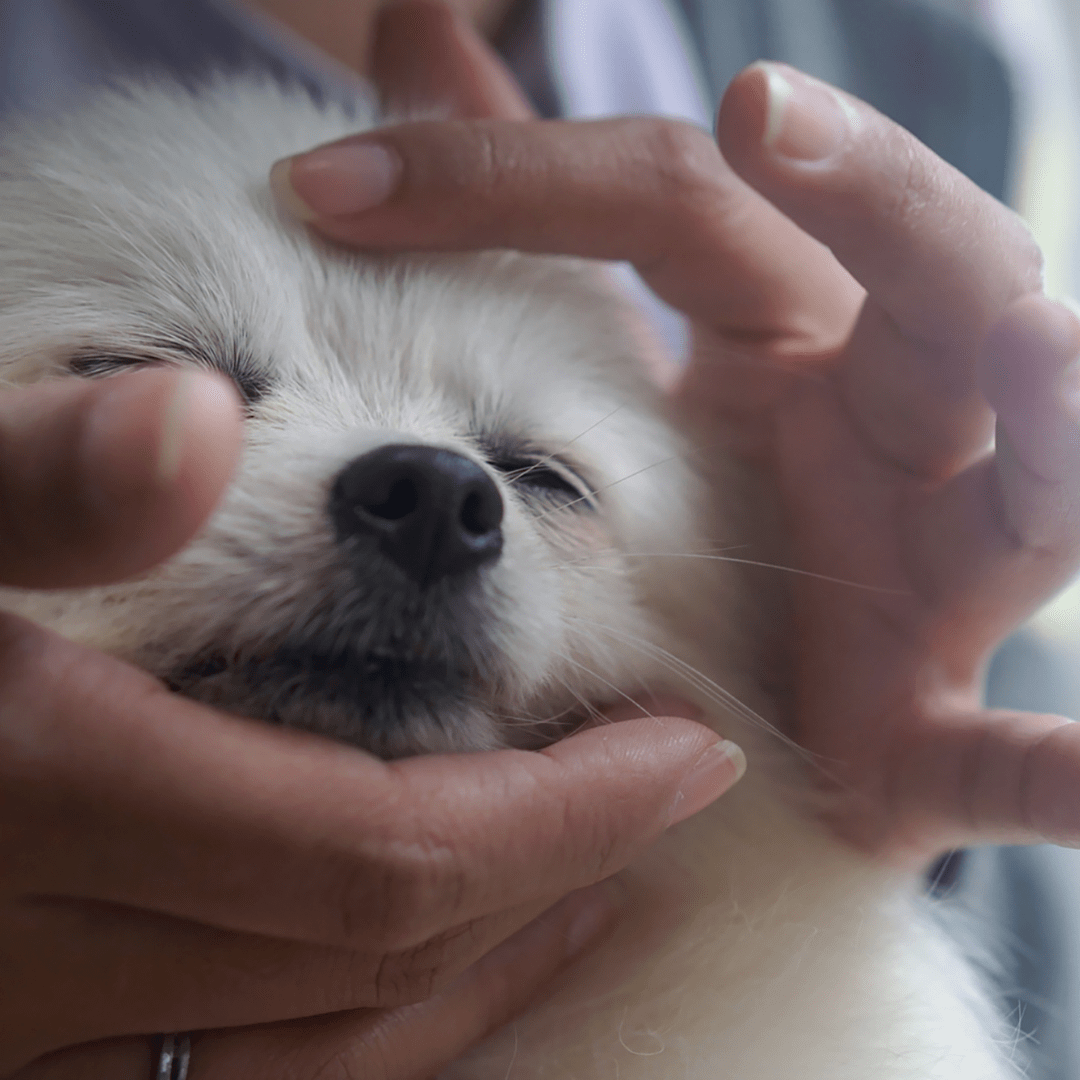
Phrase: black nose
(433, 512)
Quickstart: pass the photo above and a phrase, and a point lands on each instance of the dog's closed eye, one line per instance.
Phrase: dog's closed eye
(252, 384)
(545, 477)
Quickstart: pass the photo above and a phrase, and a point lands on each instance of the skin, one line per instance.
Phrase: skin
(345, 29)
(858, 387)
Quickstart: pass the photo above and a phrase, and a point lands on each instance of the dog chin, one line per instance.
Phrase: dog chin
(391, 705)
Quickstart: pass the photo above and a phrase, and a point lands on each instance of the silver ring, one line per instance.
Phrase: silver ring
(173, 1057)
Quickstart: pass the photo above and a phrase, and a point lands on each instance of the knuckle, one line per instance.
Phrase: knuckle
(686, 164)
(353, 1061)
(416, 974)
(391, 983)
(486, 168)
(476, 166)
(394, 901)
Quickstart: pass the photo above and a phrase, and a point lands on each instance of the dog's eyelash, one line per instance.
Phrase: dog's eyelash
(546, 477)
(252, 385)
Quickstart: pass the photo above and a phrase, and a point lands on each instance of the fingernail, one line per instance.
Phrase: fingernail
(806, 120)
(589, 913)
(718, 769)
(171, 443)
(129, 396)
(336, 181)
(195, 392)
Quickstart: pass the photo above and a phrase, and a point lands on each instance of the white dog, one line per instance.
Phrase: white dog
(462, 521)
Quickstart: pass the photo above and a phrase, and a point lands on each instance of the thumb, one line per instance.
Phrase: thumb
(102, 480)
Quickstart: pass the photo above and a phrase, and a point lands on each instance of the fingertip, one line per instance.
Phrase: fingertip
(775, 114)
(753, 106)
(281, 187)
(338, 180)
(153, 430)
(1030, 375)
(678, 763)
(718, 769)
(202, 433)
(1028, 348)
(743, 120)
(101, 479)
(157, 449)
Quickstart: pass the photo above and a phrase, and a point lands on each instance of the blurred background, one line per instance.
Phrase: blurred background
(1040, 39)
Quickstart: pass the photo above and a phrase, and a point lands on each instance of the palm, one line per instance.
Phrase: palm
(906, 583)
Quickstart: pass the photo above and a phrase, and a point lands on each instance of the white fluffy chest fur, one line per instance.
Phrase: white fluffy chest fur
(141, 231)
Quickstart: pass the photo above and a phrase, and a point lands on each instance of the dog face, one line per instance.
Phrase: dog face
(450, 526)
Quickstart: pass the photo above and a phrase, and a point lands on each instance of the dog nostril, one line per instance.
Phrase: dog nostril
(401, 501)
(431, 511)
(481, 515)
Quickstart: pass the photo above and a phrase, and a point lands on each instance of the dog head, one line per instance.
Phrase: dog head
(450, 523)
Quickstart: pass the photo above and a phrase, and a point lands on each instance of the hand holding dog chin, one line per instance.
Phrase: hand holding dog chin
(864, 316)
(164, 867)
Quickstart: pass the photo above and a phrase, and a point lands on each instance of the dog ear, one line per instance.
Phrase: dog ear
(428, 57)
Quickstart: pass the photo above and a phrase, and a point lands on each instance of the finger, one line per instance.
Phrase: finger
(988, 778)
(418, 1042)
(652, 192)
(1003, 537)
(101, 480)
(412, 1043)
(428, 55)
(104, 967)
(193, 812)
(939, 258)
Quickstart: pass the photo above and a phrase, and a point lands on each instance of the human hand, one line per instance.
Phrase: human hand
(859, 309)
(307, 909)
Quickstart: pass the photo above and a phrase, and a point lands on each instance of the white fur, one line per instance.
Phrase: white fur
(145, 219)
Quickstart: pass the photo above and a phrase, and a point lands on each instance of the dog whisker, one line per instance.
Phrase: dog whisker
(520, 474)
(712, 690)
(757, 563)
